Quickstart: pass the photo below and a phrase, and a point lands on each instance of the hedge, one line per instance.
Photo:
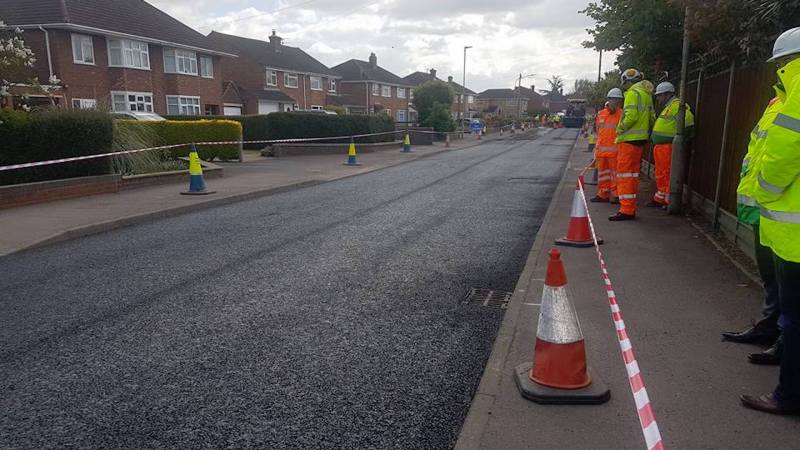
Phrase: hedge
(30, 137)
(169, 132)
(254, 128)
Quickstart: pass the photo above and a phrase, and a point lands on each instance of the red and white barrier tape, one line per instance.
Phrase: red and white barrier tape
(647, 419)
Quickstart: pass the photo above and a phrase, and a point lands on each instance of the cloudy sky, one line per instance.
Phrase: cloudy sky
(541, 37)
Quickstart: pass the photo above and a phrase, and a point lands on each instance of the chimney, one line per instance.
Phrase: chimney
(275, 41)
(449, 78)
(533, 88)
(373, 60)
(433, 74)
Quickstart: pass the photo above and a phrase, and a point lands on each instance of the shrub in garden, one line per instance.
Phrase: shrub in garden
(254, 127)
(308, 125)
(171, 132)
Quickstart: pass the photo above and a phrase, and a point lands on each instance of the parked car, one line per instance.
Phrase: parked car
(137, 115)
(314, 111)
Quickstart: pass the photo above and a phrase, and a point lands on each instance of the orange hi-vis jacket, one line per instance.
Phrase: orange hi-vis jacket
(607, 132)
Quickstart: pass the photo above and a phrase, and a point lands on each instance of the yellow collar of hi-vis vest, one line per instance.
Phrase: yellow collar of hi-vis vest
(787, 74)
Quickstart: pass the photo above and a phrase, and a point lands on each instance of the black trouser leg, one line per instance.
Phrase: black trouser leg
(788, 275)
(766, 268)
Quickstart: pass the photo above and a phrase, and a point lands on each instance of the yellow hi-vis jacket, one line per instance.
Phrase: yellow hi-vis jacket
(778, 191)
(638, 114)
(666, 126)
(747, 210)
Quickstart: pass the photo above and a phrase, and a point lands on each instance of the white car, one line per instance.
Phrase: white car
(137, 115)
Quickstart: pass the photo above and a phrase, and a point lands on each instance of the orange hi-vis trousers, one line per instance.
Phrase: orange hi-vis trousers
(662, 153)
(629, 163)
(606, 176)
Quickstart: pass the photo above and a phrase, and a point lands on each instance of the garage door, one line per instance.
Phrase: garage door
(265, 107)
(232, 111)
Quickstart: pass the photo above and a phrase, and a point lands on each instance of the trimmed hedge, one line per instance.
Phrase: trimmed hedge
(171, 132)
(254, 128)
(29, 137)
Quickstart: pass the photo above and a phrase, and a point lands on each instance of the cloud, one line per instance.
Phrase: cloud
(541, 37)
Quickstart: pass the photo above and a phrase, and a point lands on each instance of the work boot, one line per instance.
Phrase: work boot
(768, 404)
(752, 335)
(769, 357)
(597, 199)
(618, 217)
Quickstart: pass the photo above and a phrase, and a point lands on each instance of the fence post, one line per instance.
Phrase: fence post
(715, 219)
(697, 100)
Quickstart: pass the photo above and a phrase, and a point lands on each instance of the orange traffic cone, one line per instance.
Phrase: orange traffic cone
(559, 373)
(578, 233)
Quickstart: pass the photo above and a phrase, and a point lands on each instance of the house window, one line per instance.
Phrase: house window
(401, 115)
(332, 87)
(290, 80)
(84, 103)
(386, 91)
(470, 99)
(316, 83)
(82, 49)
(128, 53)
(180, 61)
(132, 101)
(206, 67)
(376, 89)
(316, 108)
(183, 105)
(401, 92)
(272, 78)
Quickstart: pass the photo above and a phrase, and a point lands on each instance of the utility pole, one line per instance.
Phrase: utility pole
(678, 167)
(519, 97)
(463, 93)
(600, 67)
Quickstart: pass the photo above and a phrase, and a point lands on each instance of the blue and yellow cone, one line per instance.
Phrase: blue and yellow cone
(197, 186)
(407, 144)
(351, 155)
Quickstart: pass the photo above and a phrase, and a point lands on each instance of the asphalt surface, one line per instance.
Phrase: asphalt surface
(325, 317)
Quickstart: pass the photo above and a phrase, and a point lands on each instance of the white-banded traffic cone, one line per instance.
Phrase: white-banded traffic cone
(578, 233)
(559, 373)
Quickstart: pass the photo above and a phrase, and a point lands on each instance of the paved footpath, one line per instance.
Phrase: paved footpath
(676, 294)
(34, 225)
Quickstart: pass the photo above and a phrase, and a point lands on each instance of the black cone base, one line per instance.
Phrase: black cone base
(594, 394)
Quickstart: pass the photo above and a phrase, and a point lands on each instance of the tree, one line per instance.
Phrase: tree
(599, 93)
(16, 62)
(439, 117)
(556, 84)
(583, 88)
(428, 94)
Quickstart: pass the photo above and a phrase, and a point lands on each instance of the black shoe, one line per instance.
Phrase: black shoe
(752, 335)
(652, 204)
(769, 357)
(767, 404)
(618, 217)
(597, 199)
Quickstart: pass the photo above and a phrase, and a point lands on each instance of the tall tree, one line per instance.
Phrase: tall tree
(556, 83)
(429, 94)
(583, 88)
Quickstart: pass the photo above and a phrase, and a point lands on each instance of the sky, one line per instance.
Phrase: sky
(535, 38)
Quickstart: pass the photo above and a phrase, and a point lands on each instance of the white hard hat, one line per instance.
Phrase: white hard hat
(615, 93)
(665, 87)
(631, 75)
(787, 44)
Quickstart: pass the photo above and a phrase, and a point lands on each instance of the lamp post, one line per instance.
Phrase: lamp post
(519, 93)
(463, 108)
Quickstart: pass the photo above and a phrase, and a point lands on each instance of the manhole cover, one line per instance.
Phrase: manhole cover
(487, 297)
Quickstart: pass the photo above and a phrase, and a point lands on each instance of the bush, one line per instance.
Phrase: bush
(52, 135)
(254, 127)
(169, 132)
(439, 118)
(304, 125)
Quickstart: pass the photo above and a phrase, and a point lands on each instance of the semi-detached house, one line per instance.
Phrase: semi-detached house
(125, 55)
(271, 76)
(457, 107)
(367, 88)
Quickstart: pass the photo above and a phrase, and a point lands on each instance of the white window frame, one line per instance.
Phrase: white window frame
(85, 45)
(129, 50)
(332, 86)
(146, 106)
(401, 92)
(272, 75)
(317, 108)
(376, 89)
(209, 66)
(187, 105)
(403, 113)
(183, 62)
(84, 103)
(470, 99)
(386, 91)
(289, 76)
(318, 80)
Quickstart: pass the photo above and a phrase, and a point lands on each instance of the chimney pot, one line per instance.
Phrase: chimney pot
(275, 41)
(433, 74)
(373, 60)
(450, 79)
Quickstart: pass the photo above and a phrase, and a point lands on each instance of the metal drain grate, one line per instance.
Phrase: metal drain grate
(487, 297)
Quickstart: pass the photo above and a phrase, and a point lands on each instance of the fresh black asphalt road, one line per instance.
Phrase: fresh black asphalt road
(325, 317)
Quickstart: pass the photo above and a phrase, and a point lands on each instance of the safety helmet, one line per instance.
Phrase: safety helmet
(615, 93)
(665, 87)
(787, 44)
(631, 75)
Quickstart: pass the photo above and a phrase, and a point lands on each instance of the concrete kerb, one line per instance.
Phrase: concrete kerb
(528, 285)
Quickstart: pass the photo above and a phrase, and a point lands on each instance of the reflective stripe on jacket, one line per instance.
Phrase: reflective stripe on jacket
(778, 189)
(638, 114)
(666, 125)
(747, 210)
(607, 132)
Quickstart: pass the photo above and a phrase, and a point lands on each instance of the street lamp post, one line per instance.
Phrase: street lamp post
(519, 93)
(463, 108)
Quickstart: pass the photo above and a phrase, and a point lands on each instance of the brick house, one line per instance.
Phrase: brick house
(270, 76)
(502, 102)
(555, 101)
(367, 88)
(456, 108)
(535, 100)
(123, 55)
